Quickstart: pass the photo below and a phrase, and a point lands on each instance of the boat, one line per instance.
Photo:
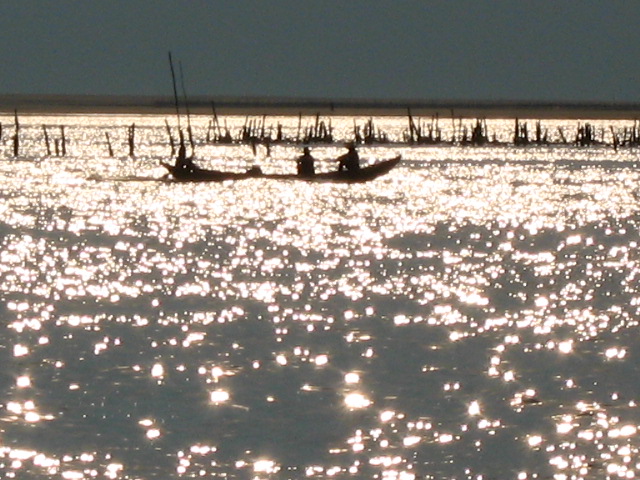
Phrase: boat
(364, 174)
(197, 174)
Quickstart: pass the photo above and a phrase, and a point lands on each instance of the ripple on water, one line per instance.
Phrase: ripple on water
(470, 315)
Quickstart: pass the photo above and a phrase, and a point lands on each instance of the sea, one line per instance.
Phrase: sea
(472, 314)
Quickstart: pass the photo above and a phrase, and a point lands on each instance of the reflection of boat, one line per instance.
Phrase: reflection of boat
(365, 174)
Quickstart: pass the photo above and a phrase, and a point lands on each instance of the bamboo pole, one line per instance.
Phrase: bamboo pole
(109, 144)
(186, 104)
(171, 141)
(131, 139)
(63, 141)
(175, 90)
(16, 135)
(46, 140)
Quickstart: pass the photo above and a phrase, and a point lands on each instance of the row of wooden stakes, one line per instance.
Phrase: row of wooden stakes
(256, 131)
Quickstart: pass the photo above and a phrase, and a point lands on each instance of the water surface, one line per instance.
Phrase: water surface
(472, 314)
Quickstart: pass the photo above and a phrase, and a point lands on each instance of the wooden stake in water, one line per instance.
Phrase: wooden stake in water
(412, 127)
(16, 136)
(109, 144)
(46, 140)
(131, 139)
(63, 140)
(299, 126)
(216, 122)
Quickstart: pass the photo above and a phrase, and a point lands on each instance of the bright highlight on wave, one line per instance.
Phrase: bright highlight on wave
(356, 401)
(396, 329)
(219, 396)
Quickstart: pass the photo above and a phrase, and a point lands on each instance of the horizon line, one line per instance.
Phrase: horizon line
(265, 105)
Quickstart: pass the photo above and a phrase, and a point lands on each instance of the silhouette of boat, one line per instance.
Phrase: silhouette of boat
(364, 174)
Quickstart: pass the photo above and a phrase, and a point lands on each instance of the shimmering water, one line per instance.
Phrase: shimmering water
(473, 314)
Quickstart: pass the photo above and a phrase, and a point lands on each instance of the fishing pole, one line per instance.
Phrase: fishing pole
(175, 92)
(186, 103)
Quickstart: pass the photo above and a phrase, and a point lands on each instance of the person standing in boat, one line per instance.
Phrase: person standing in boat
(306, 164)
(182, 161)
(350, 161)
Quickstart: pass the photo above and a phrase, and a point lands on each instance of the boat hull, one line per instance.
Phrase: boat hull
(364, 174)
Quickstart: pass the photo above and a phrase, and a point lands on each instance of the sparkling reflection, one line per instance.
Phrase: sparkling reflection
(473, 314)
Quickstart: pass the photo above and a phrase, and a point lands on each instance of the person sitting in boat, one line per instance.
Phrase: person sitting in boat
(350, 161)
(306, 164)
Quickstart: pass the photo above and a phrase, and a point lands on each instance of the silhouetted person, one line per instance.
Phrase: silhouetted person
(306, 164)
(350, 161)
(182, 161)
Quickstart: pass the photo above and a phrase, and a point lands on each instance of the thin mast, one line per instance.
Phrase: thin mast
(186, 103)
(175, 92)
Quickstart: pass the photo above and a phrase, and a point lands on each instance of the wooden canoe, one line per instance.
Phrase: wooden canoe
(364, 174)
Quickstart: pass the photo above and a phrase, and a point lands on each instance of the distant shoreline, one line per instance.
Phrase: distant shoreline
(89, 104)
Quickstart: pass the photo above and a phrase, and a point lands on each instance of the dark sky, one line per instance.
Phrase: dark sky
(543, 50)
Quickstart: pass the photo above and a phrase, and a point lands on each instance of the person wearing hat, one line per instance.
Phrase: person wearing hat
(306, 164)
(350, 161)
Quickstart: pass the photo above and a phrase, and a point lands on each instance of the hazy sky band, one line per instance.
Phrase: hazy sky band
(441, 50)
